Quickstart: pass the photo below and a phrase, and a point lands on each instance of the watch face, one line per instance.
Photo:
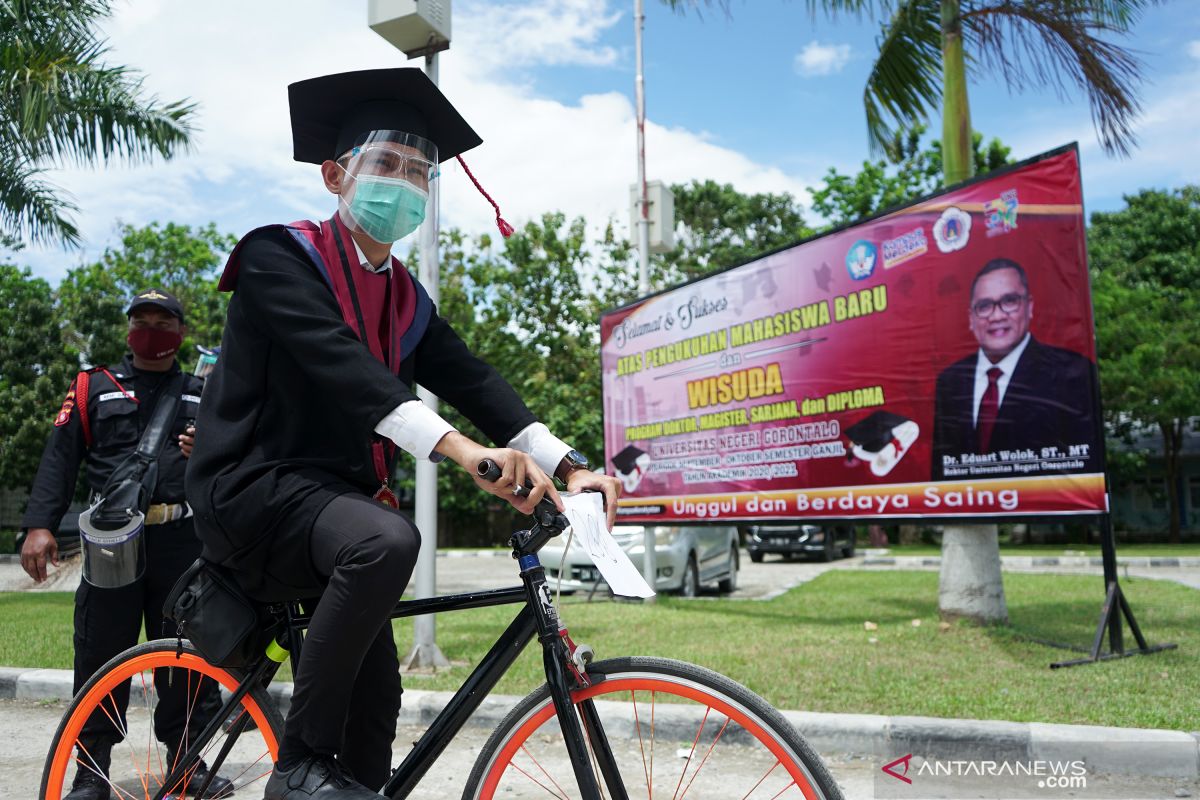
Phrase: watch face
(576, 459)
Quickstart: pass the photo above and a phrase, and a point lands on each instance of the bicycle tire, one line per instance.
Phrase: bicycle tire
(133, 663)
(508, 768)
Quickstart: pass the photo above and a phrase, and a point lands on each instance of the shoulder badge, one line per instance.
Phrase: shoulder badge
(64, 413)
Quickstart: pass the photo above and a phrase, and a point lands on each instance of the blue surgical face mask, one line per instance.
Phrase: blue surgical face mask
(387, 209)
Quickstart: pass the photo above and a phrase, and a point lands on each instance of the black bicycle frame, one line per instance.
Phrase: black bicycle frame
(538, 617)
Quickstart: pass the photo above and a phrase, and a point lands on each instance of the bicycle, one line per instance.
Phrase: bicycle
(610, 717)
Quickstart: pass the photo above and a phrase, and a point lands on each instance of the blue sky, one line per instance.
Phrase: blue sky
(766, 98)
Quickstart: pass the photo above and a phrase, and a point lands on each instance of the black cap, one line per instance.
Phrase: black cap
(334, 113)
(159, 298)
(626, 460)
(875, 432)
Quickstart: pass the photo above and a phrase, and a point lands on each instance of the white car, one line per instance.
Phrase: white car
(685, 558)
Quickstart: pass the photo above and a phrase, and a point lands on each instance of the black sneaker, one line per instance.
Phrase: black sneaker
(317, 777)
(218, 787)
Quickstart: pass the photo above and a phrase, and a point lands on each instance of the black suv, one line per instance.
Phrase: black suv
(824, 542)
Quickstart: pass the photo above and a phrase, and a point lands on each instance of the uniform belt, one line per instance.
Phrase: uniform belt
(161, 513)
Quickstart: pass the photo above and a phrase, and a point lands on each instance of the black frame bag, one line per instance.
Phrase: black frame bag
(211, 610)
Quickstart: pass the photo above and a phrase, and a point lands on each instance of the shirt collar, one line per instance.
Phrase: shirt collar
(1006, 364)
(367, 265)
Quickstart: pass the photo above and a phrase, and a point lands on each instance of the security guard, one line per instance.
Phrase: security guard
(101, 421)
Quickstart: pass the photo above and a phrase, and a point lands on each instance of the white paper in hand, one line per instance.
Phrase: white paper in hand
(586, 513)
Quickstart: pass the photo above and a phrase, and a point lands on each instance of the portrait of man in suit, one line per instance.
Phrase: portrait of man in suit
(1014, 398)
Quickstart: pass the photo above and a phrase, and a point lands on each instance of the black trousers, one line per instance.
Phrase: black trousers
(346, 696)
(108, 621)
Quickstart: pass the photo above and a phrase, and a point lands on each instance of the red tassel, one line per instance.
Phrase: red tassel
(506, 230)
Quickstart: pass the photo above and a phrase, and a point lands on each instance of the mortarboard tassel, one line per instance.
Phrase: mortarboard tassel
(506, 230)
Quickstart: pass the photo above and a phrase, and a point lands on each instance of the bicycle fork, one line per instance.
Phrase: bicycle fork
(562, 670)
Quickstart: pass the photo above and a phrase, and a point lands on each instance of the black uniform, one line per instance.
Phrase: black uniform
(108, 621)
(282, 473)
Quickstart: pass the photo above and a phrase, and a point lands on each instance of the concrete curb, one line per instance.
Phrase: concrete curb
(1128, 751)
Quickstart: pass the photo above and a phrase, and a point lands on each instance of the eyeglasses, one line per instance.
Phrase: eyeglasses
(1008, 304)
(385, 161)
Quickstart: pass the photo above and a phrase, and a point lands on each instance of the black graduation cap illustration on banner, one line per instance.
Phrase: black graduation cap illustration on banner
(631, 464)
(881, 440)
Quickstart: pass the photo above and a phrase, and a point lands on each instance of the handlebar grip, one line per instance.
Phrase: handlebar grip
(488, 470)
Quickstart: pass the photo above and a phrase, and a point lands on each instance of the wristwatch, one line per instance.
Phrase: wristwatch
(572, 461)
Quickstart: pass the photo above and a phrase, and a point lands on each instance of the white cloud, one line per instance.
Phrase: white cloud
(822, 59)
(540, 154)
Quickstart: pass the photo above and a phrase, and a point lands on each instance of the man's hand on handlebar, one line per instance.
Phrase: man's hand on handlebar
(582, 480)
(517, 468)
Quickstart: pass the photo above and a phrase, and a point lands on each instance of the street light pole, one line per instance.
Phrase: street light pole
(649, 561)
(425, 653)
(644, 206)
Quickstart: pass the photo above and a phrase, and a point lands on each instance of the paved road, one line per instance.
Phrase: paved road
(27, 727)
(465, 571)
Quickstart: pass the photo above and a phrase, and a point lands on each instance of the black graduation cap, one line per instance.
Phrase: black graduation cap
(333, 113)
(626, 460)
(875, 432)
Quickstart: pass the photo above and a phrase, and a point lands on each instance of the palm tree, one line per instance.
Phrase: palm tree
(926, 46)
(61, 105)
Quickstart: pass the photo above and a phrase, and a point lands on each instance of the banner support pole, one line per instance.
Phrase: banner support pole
(1114, 609)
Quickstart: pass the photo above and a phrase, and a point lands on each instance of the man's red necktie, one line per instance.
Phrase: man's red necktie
(988, 407)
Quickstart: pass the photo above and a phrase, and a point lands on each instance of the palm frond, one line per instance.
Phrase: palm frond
(1057, 43)
(32, 209)
(62, 103)
(856, 8)
(905, 83)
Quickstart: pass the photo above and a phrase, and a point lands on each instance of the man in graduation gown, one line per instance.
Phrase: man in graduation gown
(313, 397)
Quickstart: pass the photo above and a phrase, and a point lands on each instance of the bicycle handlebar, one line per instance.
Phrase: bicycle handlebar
(544, 513)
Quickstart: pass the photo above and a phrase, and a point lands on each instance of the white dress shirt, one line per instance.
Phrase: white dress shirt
(1006, 365)
(417, 428)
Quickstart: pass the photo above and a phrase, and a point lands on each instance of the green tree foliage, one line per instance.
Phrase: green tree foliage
(35, 372)
(46, 336)
(1145, 262)
(60, 104)
(905, 173)
(178, 258)
(531, 308)
(925, 46)
(717, 227)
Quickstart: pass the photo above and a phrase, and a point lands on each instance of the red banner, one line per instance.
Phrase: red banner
(936, 361)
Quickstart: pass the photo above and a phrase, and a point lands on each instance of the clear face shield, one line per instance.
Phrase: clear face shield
(386, 191)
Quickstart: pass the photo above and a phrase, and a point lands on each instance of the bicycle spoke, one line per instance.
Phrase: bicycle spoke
(591, 746)
(766, 775)
(704, 760)
(688, 761)
(637, 722)
(559, 794)
(784, 789)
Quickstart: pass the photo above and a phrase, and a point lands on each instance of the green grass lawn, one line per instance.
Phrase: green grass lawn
(1155, 550)
(808, 650)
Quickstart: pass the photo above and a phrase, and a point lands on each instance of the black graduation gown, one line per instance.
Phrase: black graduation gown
(289, 414)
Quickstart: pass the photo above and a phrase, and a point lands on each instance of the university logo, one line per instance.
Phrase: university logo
(1000, 215)
(904, 248)
(952, 230)
(860, 260)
